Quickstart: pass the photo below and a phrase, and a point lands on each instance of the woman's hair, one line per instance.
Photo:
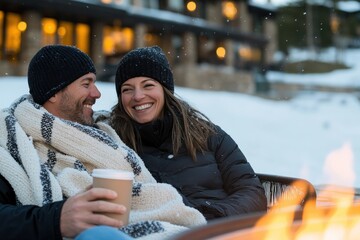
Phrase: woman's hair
(190, 127)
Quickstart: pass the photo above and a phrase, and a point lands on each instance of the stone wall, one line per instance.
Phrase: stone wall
(211, 77)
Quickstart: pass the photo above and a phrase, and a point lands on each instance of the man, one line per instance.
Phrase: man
(49, 146)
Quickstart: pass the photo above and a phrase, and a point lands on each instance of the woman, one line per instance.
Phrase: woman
(179, 144)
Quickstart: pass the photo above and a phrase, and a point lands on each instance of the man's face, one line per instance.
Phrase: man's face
(75, 102)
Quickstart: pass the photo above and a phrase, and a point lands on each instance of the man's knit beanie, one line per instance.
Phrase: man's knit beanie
(145, 62)
(54, 67)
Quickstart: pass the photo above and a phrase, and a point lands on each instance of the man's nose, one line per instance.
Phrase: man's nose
(95, 93)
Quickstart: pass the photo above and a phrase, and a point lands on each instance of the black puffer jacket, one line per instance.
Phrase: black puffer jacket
(220, 183)
(27, 222)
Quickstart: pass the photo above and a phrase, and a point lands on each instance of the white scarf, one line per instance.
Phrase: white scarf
(45, 158)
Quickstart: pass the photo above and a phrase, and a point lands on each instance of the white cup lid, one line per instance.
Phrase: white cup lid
(112, 173)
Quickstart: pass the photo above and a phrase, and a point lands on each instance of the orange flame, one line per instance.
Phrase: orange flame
(335, 215)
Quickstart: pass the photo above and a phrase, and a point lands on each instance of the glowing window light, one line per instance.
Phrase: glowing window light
(128, 38)
(191, 6)
(108, 42)
(334, 23)
(106, 1)
(61, 31)
(12, 35)
(82, 36)
(108, 45)
(256, 55)
(1, 28)
(65, 33)
(117, 40)
(229, 10)
(151, 39)
(22, 26)
(221, 52)
(245, 53)
(49, 26)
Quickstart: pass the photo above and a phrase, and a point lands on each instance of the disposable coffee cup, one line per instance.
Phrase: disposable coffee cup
(120, 182)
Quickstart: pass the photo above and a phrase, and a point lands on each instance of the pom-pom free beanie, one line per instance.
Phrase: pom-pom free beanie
(54, 67)
(145, 62)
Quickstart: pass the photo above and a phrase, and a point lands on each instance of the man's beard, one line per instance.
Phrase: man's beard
(73, 111)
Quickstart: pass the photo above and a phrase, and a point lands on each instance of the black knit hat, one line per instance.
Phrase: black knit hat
(145, 62)
(54, 67)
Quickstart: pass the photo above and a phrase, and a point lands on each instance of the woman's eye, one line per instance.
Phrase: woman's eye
(149, 85)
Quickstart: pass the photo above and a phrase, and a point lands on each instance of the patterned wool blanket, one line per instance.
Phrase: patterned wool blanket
(46, 158)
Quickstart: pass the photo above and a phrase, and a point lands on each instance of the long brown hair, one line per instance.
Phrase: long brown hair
(190, 127)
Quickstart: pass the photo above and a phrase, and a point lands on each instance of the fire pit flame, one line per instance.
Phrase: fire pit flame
(338, 217)
(334, 216)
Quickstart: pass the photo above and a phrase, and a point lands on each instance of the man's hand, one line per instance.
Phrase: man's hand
(83, 211)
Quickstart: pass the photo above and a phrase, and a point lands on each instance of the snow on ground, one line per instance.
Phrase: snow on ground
(292, 138)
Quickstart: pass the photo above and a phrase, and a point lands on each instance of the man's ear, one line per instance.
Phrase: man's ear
(54, 98)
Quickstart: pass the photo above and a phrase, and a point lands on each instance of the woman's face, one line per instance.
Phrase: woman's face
(142, 99)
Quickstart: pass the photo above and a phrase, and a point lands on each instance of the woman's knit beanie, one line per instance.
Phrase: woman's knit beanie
(145, 62)
(54, 67)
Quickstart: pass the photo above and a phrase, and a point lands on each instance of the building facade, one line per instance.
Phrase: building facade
(217, 45)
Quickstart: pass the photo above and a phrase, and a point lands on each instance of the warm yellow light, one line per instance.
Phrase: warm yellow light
(148, 37)
(250, 54)
(1, 27)
(256, 55)
(108, 45)
(22, 26)
(106, 1)
(151, 39)
(221, 52)
(117, 40)
(229, 9)
(191, 6)
(245, 53)
(82, 37)
(117, 36)
(12, 33)
(61, 31)
(49, 26)
(128, 38)
(334, 23)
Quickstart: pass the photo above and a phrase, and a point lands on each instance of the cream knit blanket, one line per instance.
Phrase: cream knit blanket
(45, 158)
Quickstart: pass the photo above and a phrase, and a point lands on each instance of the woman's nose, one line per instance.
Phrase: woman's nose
(138, 94)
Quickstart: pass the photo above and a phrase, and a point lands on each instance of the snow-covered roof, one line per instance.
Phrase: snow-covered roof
(265, 4)
(349, 6)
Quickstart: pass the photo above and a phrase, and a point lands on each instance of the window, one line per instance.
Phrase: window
(12, 36)
(65, 33)
(117, 40)
(150, 4)
(1, 33)
(83, 37)
(48, 29)
(176, 5)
